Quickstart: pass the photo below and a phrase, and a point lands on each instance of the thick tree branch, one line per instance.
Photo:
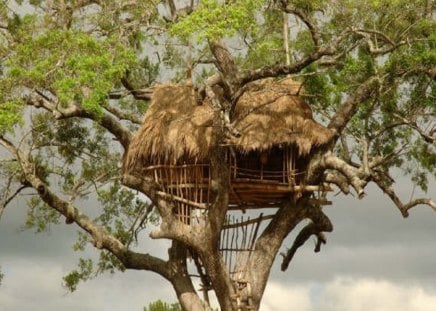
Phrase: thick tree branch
(203, 240)
(269, 242)
(182, 283)
(351, 105)
(227, 67)
(354, 176)
(139, 94)
(277, 70)
(102, 239)
(122, 115)
(9, 146)
(339, 180)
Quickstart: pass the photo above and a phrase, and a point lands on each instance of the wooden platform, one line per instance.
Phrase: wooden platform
(243, 194)
(187, 186)
(266, 193)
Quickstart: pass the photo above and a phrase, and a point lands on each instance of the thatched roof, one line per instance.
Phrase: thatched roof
(269, 113)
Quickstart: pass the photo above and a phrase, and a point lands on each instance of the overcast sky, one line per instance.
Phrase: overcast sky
(374, 260)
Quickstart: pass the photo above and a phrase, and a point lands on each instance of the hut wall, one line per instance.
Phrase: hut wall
(185, 186)
(278, 164)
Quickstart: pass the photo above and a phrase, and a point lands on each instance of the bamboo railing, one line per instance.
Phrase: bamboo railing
(238, 237)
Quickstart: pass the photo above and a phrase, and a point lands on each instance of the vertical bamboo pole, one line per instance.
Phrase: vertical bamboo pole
(196, 183)
(231, 247)
(261, 171)
(179, 204)
(201, 184)
(227, 246)
(242, 256)
(235, 172)
(186, 194)
(208, 185)
(156, 179)
(283, 165)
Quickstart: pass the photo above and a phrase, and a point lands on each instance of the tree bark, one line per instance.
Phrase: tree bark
(268, 245)
(181, 280)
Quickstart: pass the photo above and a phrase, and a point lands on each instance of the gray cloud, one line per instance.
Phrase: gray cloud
(31, 285)
(349, 294)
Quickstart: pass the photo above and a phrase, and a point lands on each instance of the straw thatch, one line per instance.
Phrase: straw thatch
(176, 126)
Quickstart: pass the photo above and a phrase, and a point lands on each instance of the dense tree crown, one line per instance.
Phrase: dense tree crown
(77, 76)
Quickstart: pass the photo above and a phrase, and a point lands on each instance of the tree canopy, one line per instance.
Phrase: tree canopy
(77, 76)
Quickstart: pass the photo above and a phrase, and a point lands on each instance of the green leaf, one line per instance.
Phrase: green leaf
(84, 272)
(76, 66)
(214, 20)
(10, 115)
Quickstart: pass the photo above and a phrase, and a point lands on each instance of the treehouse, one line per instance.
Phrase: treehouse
(267, 159)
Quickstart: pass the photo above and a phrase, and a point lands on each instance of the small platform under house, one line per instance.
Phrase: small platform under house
(267, 161)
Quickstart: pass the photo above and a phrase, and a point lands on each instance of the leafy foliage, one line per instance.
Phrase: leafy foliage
(213, 20)
(84, 272)
(75, 66)
(40, 216)
(159, 305)
(10, 114)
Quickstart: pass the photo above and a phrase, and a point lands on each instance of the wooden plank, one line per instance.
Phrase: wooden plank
(255, 185)
(187, 185)
(152, 167)
(180, 200)
(255, 206)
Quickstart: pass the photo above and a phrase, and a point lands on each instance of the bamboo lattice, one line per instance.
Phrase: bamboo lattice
(186, 186)
(237, 244)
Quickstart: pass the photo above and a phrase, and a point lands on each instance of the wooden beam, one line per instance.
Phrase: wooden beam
(251, 221)
(181, 200)
(263, 186)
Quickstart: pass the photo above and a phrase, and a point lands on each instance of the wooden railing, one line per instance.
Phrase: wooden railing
(187, 186)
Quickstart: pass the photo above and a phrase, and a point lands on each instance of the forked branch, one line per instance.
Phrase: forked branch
(403, 207)
(290, 9)
(8, 199)
(122, 134)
